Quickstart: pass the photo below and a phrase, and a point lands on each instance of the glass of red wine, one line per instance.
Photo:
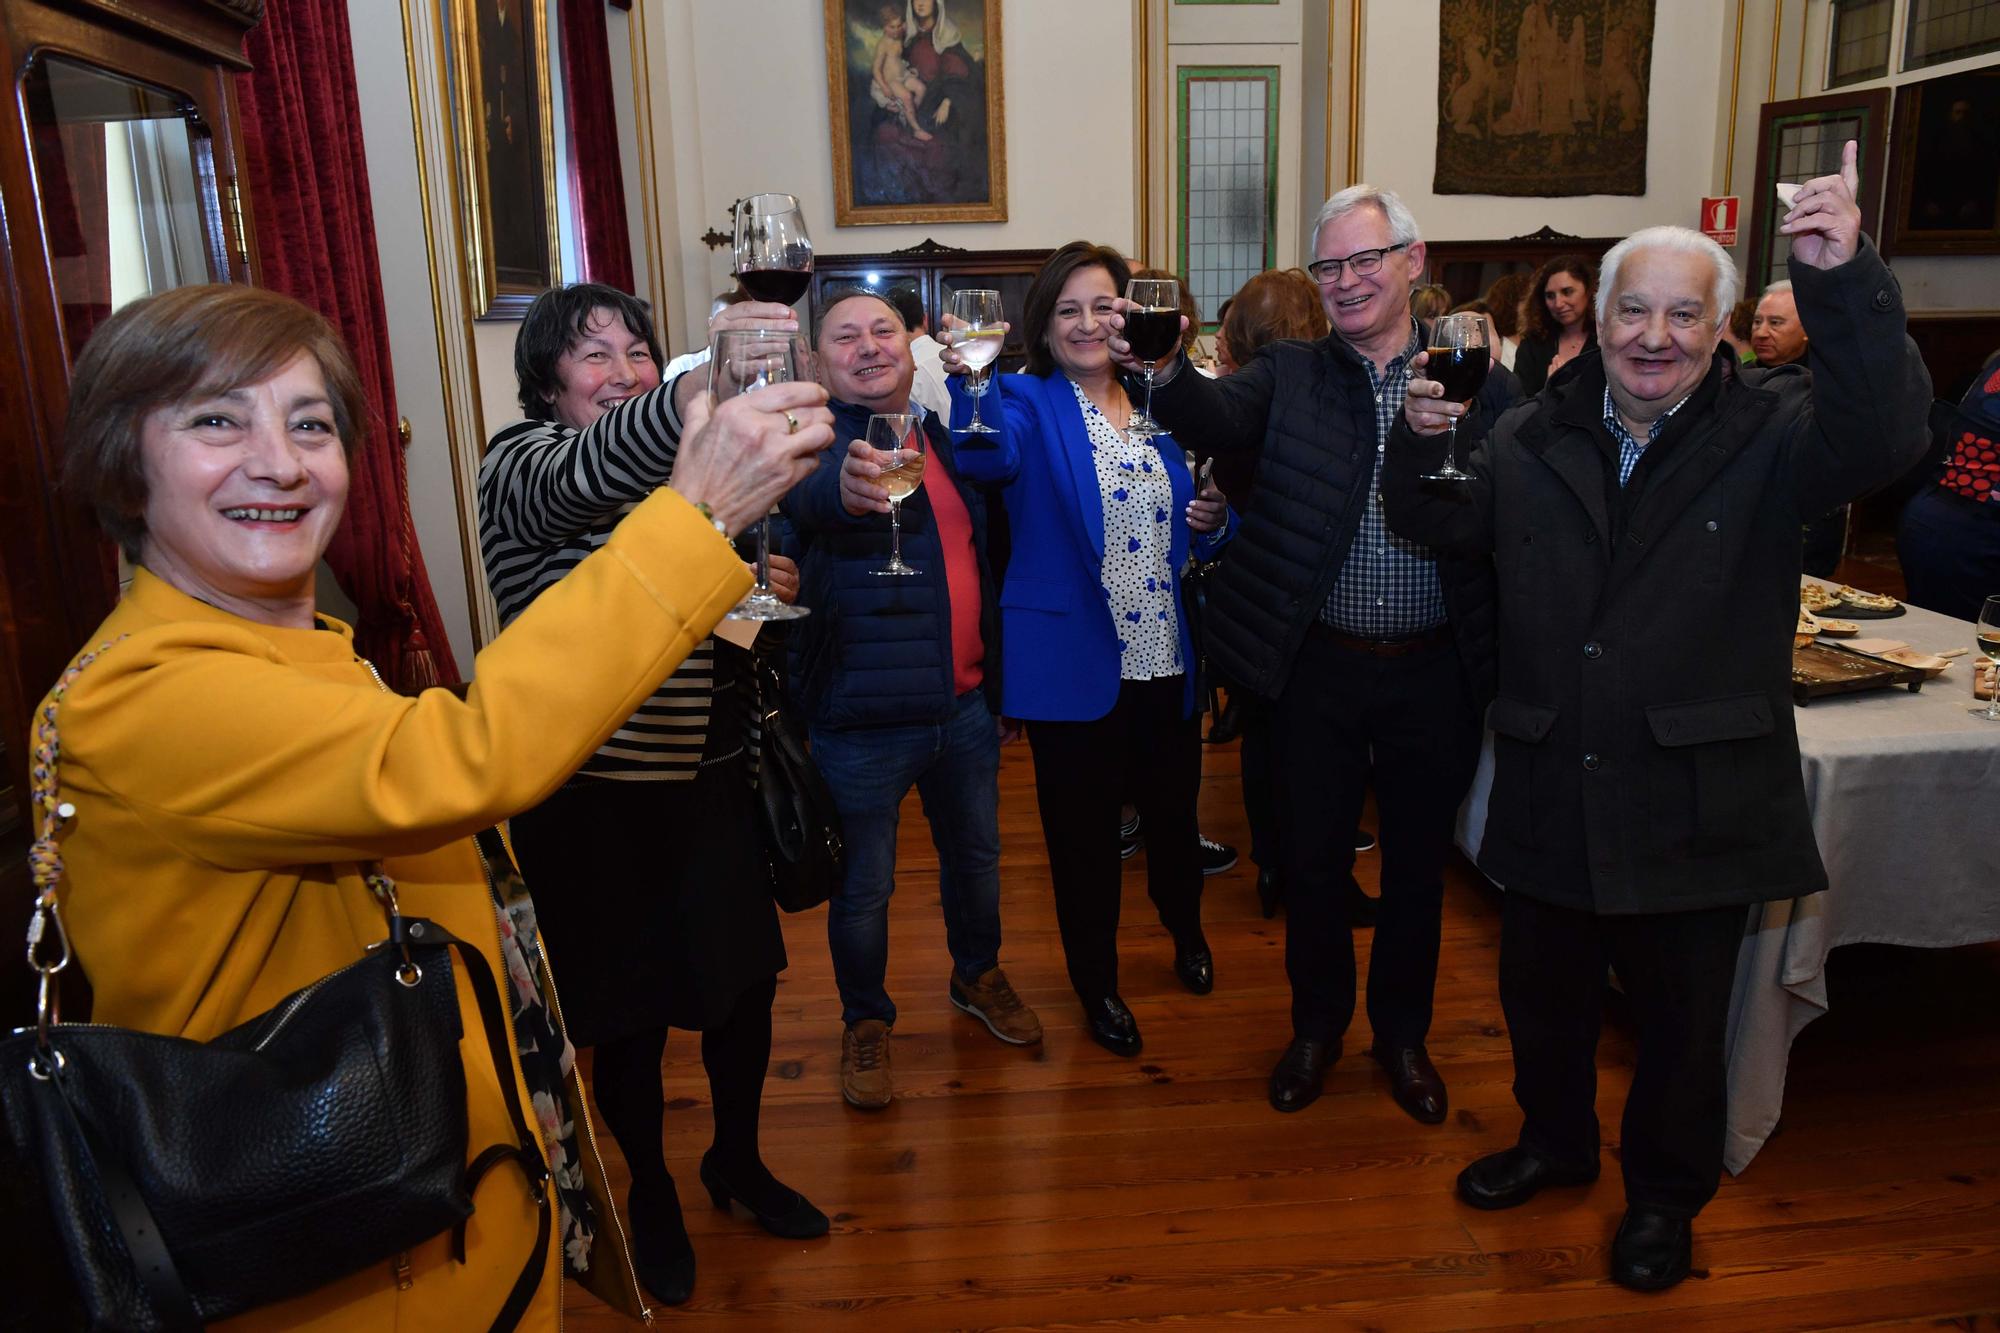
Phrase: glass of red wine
(1458, 360)
(1153, 329)
(774, 255)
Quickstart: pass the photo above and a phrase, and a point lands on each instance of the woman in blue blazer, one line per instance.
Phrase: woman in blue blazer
(1095, 654)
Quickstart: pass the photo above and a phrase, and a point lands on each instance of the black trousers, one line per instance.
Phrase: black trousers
(1257, 760)
(1408, 723)
(1081, 768)
(1677, 968)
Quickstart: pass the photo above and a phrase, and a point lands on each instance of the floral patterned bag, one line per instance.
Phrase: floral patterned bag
(586, 1211)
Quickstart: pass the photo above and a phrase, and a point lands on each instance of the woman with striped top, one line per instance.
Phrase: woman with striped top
(644, 863)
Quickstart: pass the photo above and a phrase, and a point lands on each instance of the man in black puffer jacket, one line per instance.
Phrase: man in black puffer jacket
(1376, 654)
(899, 678)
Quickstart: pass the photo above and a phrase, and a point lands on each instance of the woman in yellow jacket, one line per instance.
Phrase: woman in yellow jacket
(234, 765)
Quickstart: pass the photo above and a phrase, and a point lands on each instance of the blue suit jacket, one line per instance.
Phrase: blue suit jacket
(1059, 647)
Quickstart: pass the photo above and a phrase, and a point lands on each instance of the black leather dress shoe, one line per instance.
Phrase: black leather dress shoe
(1510, 1178)
(1413, 1081)
(1195, 965)
(1300, 1073)
(1652, 1251)
(1111, 1025)
(1270, 892)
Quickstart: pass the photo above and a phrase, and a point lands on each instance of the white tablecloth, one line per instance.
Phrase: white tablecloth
(1905, 797)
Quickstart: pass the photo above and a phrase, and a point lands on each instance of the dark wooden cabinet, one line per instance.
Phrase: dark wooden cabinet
(118, 176)
(934, 272)
(1468, 268)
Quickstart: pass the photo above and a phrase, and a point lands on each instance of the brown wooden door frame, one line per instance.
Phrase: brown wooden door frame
(55, 579)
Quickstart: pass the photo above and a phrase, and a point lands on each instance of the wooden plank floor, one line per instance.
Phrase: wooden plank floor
(1065, 1187)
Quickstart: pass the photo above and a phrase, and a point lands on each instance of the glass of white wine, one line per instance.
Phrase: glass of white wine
(1987, 636)
(977, 332)
(743, 361)
(899, 439)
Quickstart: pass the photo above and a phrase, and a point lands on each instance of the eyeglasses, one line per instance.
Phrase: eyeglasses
(1362, 262)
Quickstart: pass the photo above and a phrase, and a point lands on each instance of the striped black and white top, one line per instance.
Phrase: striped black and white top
(548, 497)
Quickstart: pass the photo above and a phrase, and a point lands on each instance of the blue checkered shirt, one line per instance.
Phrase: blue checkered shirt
(1629, 447)
(1388, 588)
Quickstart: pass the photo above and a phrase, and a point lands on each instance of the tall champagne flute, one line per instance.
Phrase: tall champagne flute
(899, 436)
(743, 361)
(1153, 329)
(774, 255)
(1458, 360)
(976, 337)
(1987, 636)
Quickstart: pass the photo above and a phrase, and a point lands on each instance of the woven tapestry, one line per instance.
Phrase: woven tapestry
(1543, 97)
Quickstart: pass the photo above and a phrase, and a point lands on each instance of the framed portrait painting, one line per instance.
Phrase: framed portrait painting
(916, 100)
(1944, 168)
(500, 93)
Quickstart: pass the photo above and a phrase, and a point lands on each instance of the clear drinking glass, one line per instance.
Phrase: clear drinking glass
(1987, 636)
(743, 361)
(1458, 360)
(899, 436)
(1154, 331)
(977, 331)
(774, 255)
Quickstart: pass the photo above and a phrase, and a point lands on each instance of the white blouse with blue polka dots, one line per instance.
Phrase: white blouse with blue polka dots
(1138, 499)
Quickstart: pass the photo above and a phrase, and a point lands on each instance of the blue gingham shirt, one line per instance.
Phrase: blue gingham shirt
(1629, 447)
(1388, 588)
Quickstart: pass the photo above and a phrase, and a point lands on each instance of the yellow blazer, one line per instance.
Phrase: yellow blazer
(231, 778)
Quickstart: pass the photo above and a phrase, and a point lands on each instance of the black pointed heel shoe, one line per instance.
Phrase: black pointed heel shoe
(797, 1219)
(662, 1255)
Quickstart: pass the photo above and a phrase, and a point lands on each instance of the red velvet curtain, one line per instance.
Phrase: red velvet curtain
(597, 182)
(315, 224)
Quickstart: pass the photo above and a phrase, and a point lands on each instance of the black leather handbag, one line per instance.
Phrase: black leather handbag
(796, 818)
(177, 1182)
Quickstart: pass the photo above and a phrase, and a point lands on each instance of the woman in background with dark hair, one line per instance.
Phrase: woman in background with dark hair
(645, 860)
(1558, 320)
(1095, 651)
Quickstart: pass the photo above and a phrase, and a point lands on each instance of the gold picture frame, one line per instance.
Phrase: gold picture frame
(932, 145)
(502, 120)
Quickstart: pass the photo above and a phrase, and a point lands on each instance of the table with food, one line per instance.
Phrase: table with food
(1899, 775)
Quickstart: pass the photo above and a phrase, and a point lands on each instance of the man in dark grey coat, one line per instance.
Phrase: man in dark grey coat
(1644, 517)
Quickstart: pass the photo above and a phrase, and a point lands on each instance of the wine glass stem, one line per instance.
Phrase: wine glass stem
(975, 400)
(1451, 446)
(763, 588)
(1147, 410)
(1993, 703)
(896, 522)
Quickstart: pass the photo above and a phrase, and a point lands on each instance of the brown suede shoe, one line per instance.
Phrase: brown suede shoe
(992, 1001)
(864, 1064)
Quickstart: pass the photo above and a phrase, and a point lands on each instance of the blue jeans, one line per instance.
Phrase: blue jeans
(955, 767)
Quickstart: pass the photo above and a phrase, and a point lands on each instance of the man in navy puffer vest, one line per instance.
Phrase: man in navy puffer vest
(899, 678)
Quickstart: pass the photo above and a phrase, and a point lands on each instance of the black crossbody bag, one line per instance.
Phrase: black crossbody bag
(796, 819)
(175, 1183)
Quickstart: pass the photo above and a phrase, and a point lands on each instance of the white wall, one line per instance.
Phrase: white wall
(748, 83)
(1399, 130)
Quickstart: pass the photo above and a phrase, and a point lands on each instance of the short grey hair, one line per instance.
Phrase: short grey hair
(1680, 240)
(1782, 286)
(1402, 222)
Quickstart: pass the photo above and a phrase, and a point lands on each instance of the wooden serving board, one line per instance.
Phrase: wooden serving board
(1821, 669)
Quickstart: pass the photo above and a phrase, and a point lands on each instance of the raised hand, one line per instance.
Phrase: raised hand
(859, 493)
(1825, 221)
(753, 449)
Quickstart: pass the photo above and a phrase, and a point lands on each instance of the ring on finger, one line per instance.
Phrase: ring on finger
(791, 424)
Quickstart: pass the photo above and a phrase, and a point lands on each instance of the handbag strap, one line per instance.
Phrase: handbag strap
(154, 1266)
